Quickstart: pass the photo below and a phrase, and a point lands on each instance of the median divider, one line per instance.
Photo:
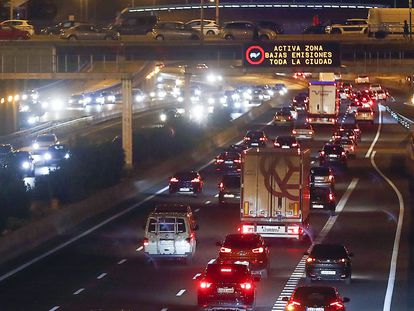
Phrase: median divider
(66, 218)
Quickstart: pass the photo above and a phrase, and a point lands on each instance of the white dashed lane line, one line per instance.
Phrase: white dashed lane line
(208, 202)
(164, 309)
(196, 210)
(140, 248)
(121, 261)
(101, 276)
(180, 293)
(196, 276)
(80, 290)
(54, 308)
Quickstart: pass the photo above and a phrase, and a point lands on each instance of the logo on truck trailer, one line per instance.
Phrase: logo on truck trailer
(272, 178)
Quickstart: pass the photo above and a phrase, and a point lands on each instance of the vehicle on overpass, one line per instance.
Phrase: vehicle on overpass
(174, 31)
(210, 28)
(387, 20)
(350, 26)
(323, 107)
(12, 33)
(88, 32)
(130, 23)
(246, 30)
(275, 192)
(170, 232)
(57, 28)
(20, 24)
(229, 189)
(360, 79)
(226, 286)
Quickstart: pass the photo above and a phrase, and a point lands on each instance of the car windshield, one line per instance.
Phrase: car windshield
(315, 296)
(242, 241)
(255, 135)
(45, 138)
(227, 273)
(333, 149)
(286, 140)
(320, 171)
(185, 175)
(334, 251)
(231, 181)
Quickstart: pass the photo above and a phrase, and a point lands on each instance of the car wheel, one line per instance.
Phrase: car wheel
(159, 38)
(72, 38)
(335, 31)
(264, 37)
(210, 33)
(229, 37)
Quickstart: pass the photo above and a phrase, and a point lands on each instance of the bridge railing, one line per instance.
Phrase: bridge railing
(404, 121)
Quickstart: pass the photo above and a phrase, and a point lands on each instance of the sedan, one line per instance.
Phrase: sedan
(174, 31)
(349, 146)
(332, 154)
(286, 142)
(186, 182)
(23, 163)
(88, 32)
(354, 127)
(364, 114)
(56, 154)
(322, 176)
(328, 262)
(12, 33)
(306, 298)
(255, 139)
(210, 27)
(229, 189)
(322, 198)
(303, 131)
(43, 141)
(361, 79)
(20, 24)
(228, 160)
(282, 116)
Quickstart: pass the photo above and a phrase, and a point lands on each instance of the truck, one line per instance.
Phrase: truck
(387, 21)
(323, 107)
(275, 192)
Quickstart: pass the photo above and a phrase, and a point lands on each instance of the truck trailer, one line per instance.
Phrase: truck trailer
(275, 192)
(323, 107)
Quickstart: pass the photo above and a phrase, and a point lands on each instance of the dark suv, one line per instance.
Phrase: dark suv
(322, 198)
(135, 25)
(255, 139)
(332, 153)
(228, 286)
(228, 160)
(229, 189)
(329, 262)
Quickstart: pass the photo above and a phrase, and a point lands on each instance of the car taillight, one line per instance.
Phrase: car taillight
(331, 197)
(337, 304)
(372, 113)
(322, 153)
(294, 145)
(262, 138)
(221, 185)
(246, 286)
(258, 250)
(294, 131)
(294, 230)
(173, 179)
(145, 242)
(237, 161)
(276, 144)
(246, 229)
(205, 285)
(219, 160)
(292, 306)
(247, 138)
(343, 153)
(310, 132)
(310, 259)
(331, 177)
(225, 250)
(352, 148)
(195, 180)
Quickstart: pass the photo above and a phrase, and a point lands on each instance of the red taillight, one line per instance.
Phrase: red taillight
(294, 145)
(291, 306)
(343, 153)
(205, 285)
(237, 161)
(294, 131)
(258, 250)
(322, 153)
(276, 144)
(372, 113)
(352, 148)
(225, 250)
(173, 179)
(331, 197)
(331, 177)
(310, 259)
(195, 180)
(262, 138)
(246, 286)
(310, 132)
(221, 185)
(219, 160)
(247, 138)
(145, 242)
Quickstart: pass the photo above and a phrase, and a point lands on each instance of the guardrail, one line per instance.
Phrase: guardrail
(407, 123)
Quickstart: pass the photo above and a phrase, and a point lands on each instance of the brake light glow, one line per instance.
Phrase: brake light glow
(226, 270)
(221, 185)
(331, 197)
(237, 161)
(173, 179)
(331, 177)
(225, 250)
(372, 113)
(277, 144)
(246, 286)
(205, 285)
(310, 132)
(247, 138)
(294, 145)
(219, 160)
(247, 229)
(292, 305)
(258, 250)
(343, 153)
(195, 180)
(294, 131)
(145, 242)
(322, 153)
(310, 259)
(294, 230)
(262, 138)
(352, 148)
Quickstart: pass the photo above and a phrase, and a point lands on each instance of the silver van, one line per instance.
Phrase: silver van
(170, 232)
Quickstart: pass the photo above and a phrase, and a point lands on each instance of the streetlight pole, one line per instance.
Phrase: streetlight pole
(410, 5)
(202, 19)
(11, 9)
(217, 12)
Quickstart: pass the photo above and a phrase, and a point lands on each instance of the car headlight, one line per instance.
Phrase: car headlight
(25, 165)
(211, 101)
(67, 156)
(163, 117)
(36, 146)
(139, 98)
(48, 156)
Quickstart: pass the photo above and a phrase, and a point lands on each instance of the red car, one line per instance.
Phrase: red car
(11, 33)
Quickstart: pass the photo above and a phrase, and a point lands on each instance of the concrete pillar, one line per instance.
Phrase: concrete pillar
(127, 120)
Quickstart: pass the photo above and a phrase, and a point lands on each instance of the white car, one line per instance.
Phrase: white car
(362, 79)
(44, 141)
(364, 114)
(20, 24)
(303, 131)
(382, 95)
(375, 87)
(210, 27)
(350, 26)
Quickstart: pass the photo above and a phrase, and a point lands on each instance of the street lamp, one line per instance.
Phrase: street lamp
(217, 10)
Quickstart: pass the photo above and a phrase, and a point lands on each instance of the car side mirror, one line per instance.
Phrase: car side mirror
(218, 244)
(346, 299)
(285, 299)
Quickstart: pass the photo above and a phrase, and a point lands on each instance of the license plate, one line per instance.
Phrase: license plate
(317, 205)
(285, 147)
(328, 272)
(332, 155)
(184, 189)
(255, 144)
(270, 229)
(225, 290)
(228, 162)
(229, 195)
(314, 309)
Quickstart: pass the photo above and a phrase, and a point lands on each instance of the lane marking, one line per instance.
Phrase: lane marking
(180, 293)
(54, 308)
(80, 290)
(299, 270)
(164, 309)
(216, 196)
(140, 248)
(101, 276)
(212, 261)
(121, 261)
(368, 154)
(396, 247)
(197, 210)
(196, 276)
(207, 202)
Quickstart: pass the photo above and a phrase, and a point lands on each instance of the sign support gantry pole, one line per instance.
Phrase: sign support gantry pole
(127, 120)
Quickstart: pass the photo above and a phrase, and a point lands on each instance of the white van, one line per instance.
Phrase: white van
(388, 20)
(170, 233)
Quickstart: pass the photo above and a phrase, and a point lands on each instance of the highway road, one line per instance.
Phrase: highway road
(106, 269)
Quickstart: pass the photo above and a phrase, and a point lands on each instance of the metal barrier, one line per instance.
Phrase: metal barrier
(407, 123)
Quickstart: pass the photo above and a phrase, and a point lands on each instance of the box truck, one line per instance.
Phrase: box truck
(275, 192)
(323, 107)
(387, 20)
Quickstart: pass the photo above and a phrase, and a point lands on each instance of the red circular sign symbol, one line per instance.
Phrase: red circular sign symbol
(255, 55)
